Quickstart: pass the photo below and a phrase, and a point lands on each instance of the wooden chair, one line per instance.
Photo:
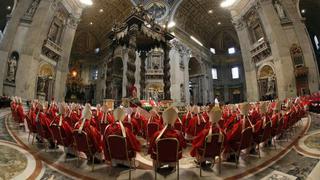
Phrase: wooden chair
(83, 144)
(32, 129)
(211, 150)
(118, 150)
(59, 136)
(266, 135)
(44, 133)
(167, 151)
(244, 143)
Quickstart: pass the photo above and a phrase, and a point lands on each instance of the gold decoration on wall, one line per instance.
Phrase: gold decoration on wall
(266, 71)
(46, 70)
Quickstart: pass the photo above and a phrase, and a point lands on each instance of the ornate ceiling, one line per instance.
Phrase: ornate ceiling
(203, 19)
(96, 21)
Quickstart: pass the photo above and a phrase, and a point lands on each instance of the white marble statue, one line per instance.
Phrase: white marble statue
(280, 10)
(12, 65)
(271, 85)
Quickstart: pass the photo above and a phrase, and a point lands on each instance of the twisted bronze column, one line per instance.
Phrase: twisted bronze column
(166, 72)
(131, 66)
(143, 57)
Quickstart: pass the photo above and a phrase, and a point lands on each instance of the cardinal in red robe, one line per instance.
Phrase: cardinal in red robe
(105, 118)
(73, 117)
(170, 115)
(117, 128)
(196, 124)
(155, 118)
(141, 119)
(130, 118)
(43, 122)
(234, 135)
(94, 135)
(187, 117)
(64, 125)
(20, 112)
(205, 135)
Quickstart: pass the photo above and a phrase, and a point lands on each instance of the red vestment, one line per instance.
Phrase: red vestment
(134, 122)
(168, 133)
(67, 130)
(186, 119)
(198, 141)
(94, 135)
(73, 118)
(20, 113)
(196, 120)
(133, 144)
(234, 135)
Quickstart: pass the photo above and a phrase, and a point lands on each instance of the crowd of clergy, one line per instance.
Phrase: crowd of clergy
(194, 126)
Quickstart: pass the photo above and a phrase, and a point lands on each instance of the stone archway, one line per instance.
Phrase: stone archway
(267, 82)
(195, 81)
(45, 82)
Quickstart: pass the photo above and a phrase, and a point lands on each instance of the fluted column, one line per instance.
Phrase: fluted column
(166, 72)
(143, 57)
(131, 66)
(109, 78)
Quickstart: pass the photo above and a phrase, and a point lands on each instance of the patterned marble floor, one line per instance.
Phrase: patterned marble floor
(291, 165)
(12, 162)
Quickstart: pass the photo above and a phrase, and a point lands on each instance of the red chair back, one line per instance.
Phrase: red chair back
(117, 147)
(43, 131)
(167, 150)
(58, 134)
(214, 147)
(152, 127)
(280, 127)
(266, 132)
(30, 125)
(82, 142)
(246, 138)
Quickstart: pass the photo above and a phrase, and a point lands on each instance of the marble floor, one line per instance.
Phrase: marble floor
(297, 158)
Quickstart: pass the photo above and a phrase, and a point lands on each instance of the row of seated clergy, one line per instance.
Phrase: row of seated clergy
(86, 122)
(18, 113)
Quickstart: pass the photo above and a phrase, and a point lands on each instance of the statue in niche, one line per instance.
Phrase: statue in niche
(32, 8)
(182, 91)
(271, 86)
(12, 67)
(41, 84)
(280, 10)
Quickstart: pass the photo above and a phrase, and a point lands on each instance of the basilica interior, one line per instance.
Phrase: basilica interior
(160, 58)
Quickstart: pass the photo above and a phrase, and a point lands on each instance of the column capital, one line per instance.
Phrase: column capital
(239, 24)
(73, 21)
